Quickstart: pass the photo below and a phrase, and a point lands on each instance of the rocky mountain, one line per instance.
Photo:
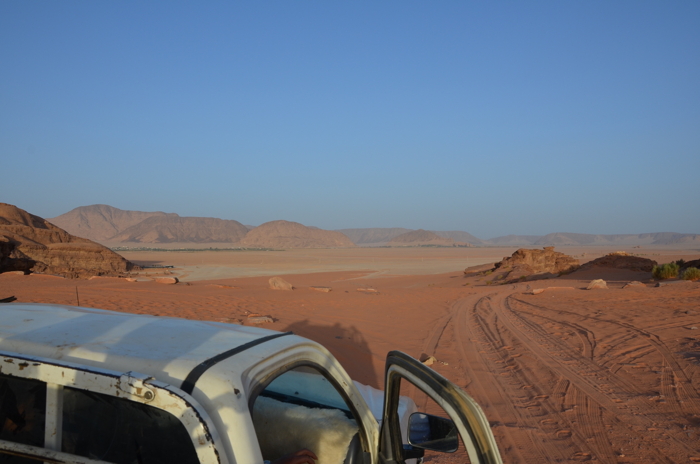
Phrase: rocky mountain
(660, 238)
(29, 243)
(172, 228)
(459, 236)
(422, 237)
(100, 222)
(286, 234)
(513, 240)
(373, 236)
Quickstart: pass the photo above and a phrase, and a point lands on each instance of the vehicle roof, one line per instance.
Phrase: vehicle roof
(166, 348)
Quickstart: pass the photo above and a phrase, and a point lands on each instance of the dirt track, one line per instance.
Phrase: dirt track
(564, 385)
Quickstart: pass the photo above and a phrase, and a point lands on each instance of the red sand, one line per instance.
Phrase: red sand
(567, 375)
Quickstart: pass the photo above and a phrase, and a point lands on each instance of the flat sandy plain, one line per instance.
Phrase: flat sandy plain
(567, 375)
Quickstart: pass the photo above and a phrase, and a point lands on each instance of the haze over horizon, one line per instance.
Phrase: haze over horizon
(492, 119)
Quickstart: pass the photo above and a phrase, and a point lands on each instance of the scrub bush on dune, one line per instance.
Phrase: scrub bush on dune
(692, 273)
(666, 271)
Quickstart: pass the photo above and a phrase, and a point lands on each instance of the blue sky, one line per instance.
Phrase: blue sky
(490, 117)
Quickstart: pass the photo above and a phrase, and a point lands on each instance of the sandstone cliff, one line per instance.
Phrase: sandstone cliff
(31, 244)
(533, 262)
(286, 234)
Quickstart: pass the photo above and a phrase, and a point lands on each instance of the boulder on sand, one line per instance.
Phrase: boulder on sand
(167, 280)
(321, 289)
(597, 283)
(278, 283)
(634, 284)
(543, 263)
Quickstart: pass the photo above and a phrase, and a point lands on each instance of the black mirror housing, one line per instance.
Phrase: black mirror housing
(432, 433)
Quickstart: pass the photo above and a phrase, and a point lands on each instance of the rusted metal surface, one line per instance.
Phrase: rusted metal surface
(132, 386)
(44, 455)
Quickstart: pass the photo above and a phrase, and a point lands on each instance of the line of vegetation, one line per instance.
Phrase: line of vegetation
(190, 250)
(692, 273)
(666, 271)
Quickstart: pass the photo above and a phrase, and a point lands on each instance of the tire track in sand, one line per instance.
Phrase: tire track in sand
(523, 422)
(597, 383)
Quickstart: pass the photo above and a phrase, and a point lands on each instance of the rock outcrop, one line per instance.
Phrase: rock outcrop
(286, 234)
(32, 244)
(694, 263)
(422, 237)
(100, 222)
(621, 260)
(532, 262)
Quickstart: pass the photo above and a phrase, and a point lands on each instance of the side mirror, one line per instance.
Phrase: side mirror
(432, 433)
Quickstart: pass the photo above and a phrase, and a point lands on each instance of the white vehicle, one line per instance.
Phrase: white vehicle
(81, 385)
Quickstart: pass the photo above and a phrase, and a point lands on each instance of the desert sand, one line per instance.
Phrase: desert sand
(566, 375)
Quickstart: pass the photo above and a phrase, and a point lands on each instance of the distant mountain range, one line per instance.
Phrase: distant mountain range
(106, 224)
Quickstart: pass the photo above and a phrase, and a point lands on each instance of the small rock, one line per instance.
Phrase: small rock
(256, 319)
(634, 284)
(130, 279)
(692, 328)
(536, 291)
(597, 283)
(278, 283)
(368, 290)
(429, 361)
(167, 280)
(321, 289)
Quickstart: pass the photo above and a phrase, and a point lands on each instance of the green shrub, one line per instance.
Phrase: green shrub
(692, 273)
(665, 271)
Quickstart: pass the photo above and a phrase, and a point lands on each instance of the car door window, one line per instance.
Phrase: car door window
(302, 409)
(463, 412)
(22, 414)
(122, 431)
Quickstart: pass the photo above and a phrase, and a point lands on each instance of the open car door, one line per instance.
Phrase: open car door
(431, 432)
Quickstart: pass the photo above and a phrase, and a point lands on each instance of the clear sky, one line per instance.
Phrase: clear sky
(490, 117)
